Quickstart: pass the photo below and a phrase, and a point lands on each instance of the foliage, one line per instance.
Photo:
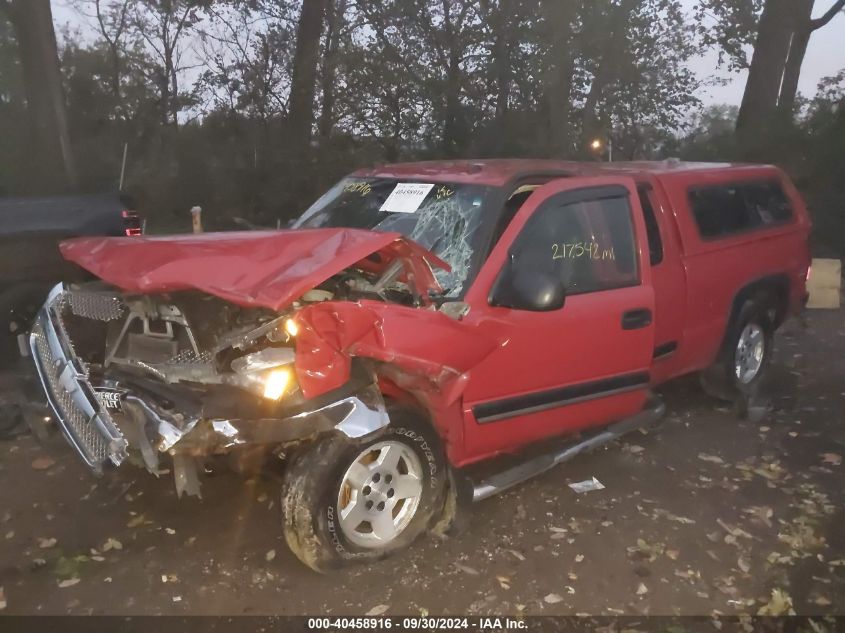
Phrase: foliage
(197, 92)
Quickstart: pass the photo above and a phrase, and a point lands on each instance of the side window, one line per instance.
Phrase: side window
(769, 202)
(655, 242)
(589, 244)
(727, 209)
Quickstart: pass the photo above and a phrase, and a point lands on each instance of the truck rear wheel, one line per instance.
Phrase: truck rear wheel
(746, 354)
(350, 501)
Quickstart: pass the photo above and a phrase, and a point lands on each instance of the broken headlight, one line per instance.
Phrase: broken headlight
(268, 372)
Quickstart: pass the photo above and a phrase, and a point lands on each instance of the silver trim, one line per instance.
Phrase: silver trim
(526, 470)
(69, 392)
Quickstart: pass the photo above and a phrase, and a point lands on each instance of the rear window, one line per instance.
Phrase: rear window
(724, 210)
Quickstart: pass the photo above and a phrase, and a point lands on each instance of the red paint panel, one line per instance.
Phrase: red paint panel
(431, 350)
(261, 268)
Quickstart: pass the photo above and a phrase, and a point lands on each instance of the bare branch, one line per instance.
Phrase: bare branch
(827, 17)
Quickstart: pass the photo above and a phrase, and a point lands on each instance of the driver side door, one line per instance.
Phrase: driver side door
(586, 363)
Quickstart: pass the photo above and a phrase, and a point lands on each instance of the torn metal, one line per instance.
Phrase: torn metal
(180, 395)
(184, 362)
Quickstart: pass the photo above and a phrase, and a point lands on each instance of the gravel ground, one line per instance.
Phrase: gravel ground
(705, 514)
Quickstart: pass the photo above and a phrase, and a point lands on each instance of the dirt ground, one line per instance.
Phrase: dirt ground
(705, 514)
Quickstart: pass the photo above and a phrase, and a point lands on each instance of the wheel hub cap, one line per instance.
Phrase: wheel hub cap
(379, 494)
(749, 353)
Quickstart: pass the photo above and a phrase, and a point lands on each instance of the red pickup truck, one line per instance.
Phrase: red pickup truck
(421, 320)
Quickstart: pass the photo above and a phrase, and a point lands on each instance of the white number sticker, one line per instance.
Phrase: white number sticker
(406, 198)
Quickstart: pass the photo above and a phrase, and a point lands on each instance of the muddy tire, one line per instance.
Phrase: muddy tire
(746, 354)
(348, 501)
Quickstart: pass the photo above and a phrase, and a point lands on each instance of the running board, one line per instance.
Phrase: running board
(516, 475)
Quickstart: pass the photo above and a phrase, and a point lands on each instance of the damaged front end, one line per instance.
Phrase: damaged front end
(183, 376)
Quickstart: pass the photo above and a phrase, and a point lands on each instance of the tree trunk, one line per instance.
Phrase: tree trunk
(453, 131)
(334, 26)
(303, 81)
(557, 17)
(502, 42)
(792, 71)
(765, 75)
(52, 165)
(805, 26)
(607, 67)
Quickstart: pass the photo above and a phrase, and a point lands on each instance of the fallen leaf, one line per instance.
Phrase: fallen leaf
(516, 554)
(553, 598)
(504, 582)
(710, 458)
(379, 609)
(579, 558)
(466, 569)
(270, 555)
(822, 601)
(43, 463)
(743, 565)
(136, 521)
(733, 531)
(642, 589)
(177, 598)
(111, 544)
(2, 599)
(170, 531)
(46, 543)
(780, 604)
(832, 458)
(70, 582)
(761, 513)
(673, 554)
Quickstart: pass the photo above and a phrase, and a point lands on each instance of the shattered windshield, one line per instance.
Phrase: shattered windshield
(444, 218)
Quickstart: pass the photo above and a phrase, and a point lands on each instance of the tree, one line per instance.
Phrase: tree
(335, 33)
(303, 82)
(163, 25)
(783, 34)
(51, 162)
(805, 26)
(558, 25)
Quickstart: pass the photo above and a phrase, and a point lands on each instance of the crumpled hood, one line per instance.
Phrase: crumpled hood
(267, 269)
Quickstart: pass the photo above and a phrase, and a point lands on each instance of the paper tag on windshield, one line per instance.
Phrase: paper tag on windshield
(406, 198)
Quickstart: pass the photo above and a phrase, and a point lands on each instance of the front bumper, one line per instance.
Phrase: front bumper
(151, 425)
(87, 426)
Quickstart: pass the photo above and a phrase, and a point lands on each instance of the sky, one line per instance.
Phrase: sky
(825, 56)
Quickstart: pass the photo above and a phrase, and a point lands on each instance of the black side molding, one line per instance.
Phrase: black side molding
(558, 397)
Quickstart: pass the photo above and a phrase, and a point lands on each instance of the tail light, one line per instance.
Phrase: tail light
(131, 223)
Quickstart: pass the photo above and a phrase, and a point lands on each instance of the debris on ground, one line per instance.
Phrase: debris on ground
(587, 486)
(43, 463)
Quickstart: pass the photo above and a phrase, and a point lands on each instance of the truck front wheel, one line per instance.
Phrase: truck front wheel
(350, 501)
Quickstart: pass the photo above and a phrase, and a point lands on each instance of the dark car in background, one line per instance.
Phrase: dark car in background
(30, 264)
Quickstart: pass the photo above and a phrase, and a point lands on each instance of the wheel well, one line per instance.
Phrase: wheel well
(774, 287)
(393, 392)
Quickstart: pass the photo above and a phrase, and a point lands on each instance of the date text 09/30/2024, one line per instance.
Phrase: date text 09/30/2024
(417, 623)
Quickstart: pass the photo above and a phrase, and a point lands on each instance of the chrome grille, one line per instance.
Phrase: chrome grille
(87, 426)
(99, 306)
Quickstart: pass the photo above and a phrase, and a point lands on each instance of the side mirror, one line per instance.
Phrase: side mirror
(527, 290)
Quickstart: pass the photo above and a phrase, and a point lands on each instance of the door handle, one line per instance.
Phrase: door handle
(636, 319)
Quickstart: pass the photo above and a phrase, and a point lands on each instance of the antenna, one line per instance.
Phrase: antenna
(123, 166)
